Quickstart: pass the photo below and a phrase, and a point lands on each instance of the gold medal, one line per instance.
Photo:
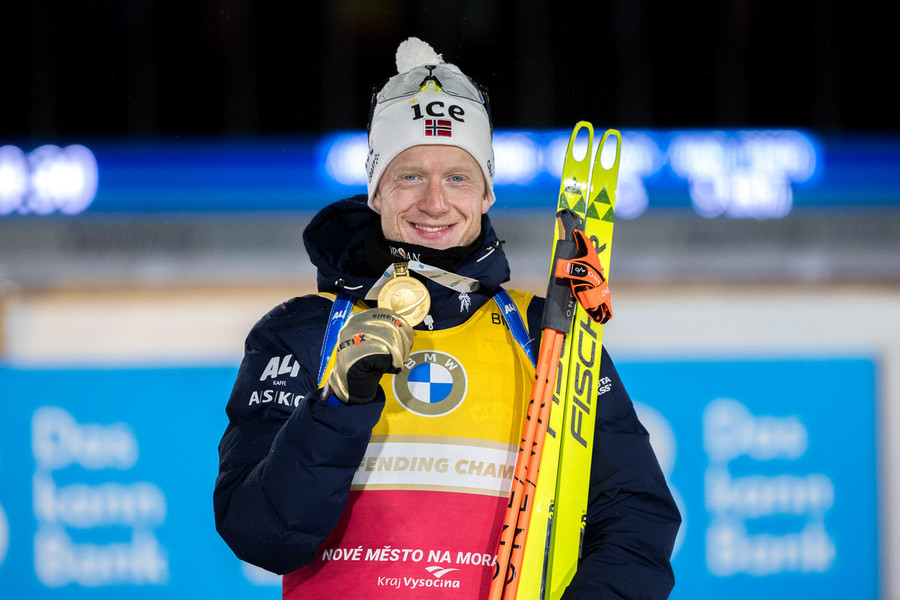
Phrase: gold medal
(405, 295)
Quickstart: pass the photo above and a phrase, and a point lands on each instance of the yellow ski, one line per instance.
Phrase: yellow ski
(584, 345)
(553, 545)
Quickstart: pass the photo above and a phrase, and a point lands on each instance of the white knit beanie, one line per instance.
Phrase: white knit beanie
(428, 102)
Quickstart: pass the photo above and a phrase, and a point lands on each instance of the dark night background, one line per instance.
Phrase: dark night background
(143, 69)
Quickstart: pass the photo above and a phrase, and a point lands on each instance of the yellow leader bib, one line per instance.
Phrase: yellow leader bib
(428, 498)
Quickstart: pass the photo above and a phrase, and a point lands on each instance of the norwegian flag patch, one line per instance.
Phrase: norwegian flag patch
(438, 128)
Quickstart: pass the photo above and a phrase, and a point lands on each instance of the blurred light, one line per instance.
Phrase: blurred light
(46, 180)
(641, 158)
(345, 160)
(555, 154)
(4, 535)
(733, 174)
(744, 174)
(13, 179)
(517, 158)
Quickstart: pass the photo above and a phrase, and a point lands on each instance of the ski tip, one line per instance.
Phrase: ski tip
(609, 152)
(583, 125)
(574, 143)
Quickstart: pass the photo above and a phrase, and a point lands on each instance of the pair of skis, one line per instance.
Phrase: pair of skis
(557, 438)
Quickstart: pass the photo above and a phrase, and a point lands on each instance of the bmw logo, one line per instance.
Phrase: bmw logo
(432, 384)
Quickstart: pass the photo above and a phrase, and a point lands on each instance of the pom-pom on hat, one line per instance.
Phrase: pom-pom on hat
(428, 102)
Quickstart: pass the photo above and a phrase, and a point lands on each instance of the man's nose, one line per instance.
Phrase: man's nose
(433, 201)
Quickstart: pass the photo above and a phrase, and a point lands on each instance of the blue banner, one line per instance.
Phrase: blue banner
(774, 467)
(106, 480)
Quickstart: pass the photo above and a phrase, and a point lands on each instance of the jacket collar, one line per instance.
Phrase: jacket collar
(335, 240)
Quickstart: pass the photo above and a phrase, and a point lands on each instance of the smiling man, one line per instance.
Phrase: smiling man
(374, 426)
(432, 196)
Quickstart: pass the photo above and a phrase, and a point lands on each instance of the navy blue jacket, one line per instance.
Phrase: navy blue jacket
(287, 459)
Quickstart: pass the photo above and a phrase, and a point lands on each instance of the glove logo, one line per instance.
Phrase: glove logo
(356, 340)
(431, 384)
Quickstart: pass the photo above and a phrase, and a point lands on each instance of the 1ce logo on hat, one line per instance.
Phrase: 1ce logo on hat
(434, 109)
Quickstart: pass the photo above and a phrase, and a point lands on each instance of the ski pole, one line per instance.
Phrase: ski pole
(559, 309)
(584, 274)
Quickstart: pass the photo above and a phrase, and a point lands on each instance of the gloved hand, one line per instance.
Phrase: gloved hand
(371, 343)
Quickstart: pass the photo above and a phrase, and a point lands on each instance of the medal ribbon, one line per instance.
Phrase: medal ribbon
(447, 279)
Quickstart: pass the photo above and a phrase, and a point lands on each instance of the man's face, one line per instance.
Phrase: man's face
(432, 196)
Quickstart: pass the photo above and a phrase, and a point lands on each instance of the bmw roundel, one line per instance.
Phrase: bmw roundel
(431, 384)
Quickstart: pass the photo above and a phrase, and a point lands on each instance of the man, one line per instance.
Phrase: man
(370, 456)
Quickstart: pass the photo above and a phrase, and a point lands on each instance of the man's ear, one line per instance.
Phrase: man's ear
(485, 203)
(376, 201)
